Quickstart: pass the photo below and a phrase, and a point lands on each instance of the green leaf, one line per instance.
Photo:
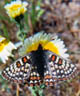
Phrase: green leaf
(33, 13)
(5, 32)
(7, 1)
(26, 21)
(39, 2)
(26, 18)
(40, 13)
(33, 91)
(42, 86)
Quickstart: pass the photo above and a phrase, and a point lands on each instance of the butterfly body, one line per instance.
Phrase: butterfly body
(38, 60)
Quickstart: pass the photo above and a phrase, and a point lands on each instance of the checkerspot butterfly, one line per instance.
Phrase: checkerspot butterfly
(40, 66)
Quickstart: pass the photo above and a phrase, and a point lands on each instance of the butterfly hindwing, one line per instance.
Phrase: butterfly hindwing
(19, 70)
(48, 79)
(59, 68)
(35, 78)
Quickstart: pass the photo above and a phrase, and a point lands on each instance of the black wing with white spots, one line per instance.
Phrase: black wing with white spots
(19, 71)
(59, 68)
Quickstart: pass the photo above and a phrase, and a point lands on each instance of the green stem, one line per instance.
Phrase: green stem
(21, 34)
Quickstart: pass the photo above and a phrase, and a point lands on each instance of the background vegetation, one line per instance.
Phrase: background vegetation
(60, 17)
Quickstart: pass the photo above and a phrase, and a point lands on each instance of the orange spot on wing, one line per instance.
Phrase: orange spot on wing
(62, 79)
(38, 78)
(47, 77)
(25, 59)
(18, 65)
(31, 78)
(46, 83)
(60, 61)
(53, 58)
(35, 78)
(51, 83)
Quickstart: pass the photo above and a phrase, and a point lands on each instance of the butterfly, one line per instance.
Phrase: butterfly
(40, 66)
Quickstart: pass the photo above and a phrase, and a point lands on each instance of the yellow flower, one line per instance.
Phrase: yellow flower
(32, 43)
(16, 8)
(5, 49)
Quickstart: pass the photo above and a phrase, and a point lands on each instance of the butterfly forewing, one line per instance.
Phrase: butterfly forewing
(60, 69)
(19, 70)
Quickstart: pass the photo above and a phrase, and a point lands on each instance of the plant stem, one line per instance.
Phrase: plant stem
(21, 34)
(17, 91)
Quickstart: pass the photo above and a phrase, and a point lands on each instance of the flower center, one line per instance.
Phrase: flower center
(15, 6)
(3, 44)
(51, 47)
(35, 45)
(46, 45)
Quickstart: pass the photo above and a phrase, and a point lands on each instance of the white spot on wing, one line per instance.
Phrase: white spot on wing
(62, 71)
(7, 69)
(56, 66)
(31, 81)
(54, 73)
(57, 59)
